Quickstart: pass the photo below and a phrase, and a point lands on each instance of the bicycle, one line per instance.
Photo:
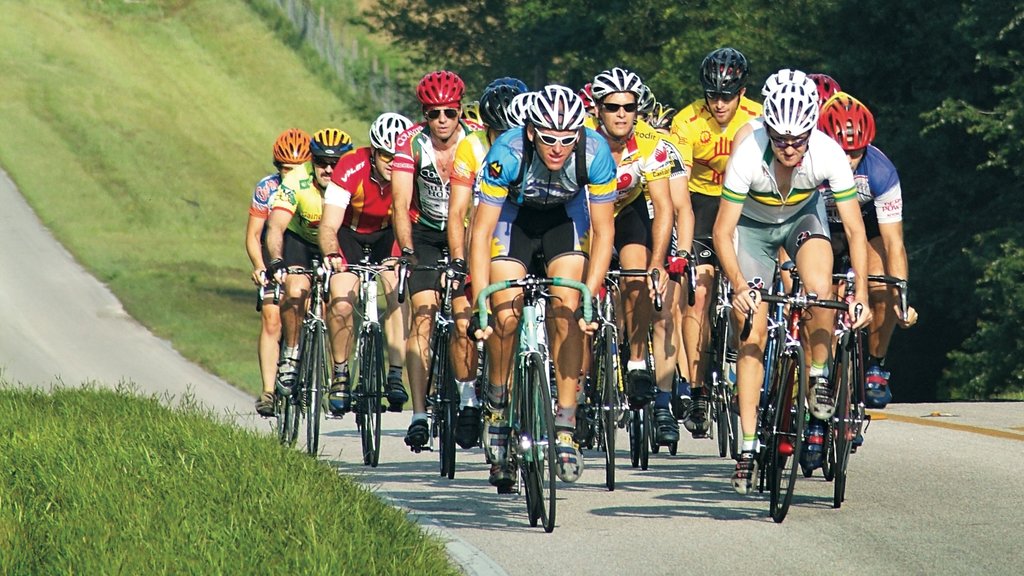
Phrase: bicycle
(850, 419)
(315, 363)
(368, 393)
(721, 362)
(641, 416)
(783, 410)
(442, 393)
(531, 447)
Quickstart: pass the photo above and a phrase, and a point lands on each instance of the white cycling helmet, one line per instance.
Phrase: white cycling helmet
(556, 107)
(646, 101)
(792, 108)
(386, 128)
(616, 80)
(781, 77)
(519, 108)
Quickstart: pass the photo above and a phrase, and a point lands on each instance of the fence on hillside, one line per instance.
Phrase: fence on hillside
(315, 30)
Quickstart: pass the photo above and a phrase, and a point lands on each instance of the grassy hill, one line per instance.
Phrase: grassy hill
(137, 131)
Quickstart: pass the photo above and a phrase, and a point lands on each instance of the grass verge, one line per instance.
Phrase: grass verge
(103, 482)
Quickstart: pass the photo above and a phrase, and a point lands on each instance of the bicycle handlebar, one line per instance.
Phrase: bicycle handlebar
(533, 282)
(799, 300)
(900, 284)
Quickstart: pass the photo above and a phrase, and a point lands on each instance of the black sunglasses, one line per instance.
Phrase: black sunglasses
(712, 95)
(435, 113)
(325, 162)
(782, 143)
(631, 107)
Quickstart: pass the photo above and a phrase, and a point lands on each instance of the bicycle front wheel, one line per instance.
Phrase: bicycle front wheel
(445, 400)
(369, 393)
(319, 376)
(537, 440)
(607, 379)
(787, 430)
(844, 419)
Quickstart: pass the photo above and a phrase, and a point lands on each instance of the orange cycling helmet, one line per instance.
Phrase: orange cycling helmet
(847, 121)
(440, 88)
(292, 147)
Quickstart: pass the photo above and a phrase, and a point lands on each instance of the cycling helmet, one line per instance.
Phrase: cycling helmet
(556, 107)
(519, 109)
(330, 143)
(587, 95)
(616, 80)
(661, 117)
(292, 147)
(471, 112)
(646, 101)
(386, 128)
(847, 121)
(495, 102)
(440, 88)
(826, 85)
(792, 109)
(724, 70)
(781, 77)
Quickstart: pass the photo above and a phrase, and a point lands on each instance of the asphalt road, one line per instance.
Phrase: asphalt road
(936, 489)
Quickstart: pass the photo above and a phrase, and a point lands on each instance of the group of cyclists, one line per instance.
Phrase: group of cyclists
(565, 182)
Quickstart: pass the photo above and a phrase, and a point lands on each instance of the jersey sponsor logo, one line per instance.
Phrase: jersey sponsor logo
(757, 283)
(353, 171)
(494, 169)
(660, 155)
(705, 136)
(892, 207)
(429, 175)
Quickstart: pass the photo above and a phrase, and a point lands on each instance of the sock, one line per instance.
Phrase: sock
(341, 371)
(291, 352)
(876, 361)
(636, 365)
(662, 399)
(419, 416)
(816, 370)
(496, 395)
(395, 373)
(748, 443)
(565, 417)
(467, 394)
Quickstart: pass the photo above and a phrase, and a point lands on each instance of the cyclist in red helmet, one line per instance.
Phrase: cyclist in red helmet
(420, 184)
(826, 85)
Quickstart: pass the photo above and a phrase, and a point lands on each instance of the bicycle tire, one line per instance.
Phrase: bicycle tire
(608, 380)
(537, 423)
(647, 437)
(721, 416)
(635, 432)
(445, 400)
(319, 376)
(369, 392)
(846, 414)
(790, 411)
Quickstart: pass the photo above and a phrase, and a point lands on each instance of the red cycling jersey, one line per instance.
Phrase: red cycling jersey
(370, 207)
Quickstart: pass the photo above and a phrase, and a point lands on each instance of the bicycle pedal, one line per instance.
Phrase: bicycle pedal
(394, 408)
(418, 449)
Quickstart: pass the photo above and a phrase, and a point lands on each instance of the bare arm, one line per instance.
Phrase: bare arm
(459, 203)
(253, 246)
(402, 190)
(276, 225)
(895, 251)
(853, 224)
(680, 189)
(330, 223)
(602, 236)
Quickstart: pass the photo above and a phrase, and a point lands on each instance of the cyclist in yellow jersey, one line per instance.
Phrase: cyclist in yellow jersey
(704, 133)
(644, 163)
(469, 158)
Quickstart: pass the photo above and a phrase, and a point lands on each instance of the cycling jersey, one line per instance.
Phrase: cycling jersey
(370, 205)
(299, 196)
(705, 145)
(414, 154)
(261, 196)
(878, 186)
(469, 157)
(751, 174)
(646, 157)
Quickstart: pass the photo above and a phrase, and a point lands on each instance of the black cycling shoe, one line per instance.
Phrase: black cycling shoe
(467, 428)
(640, 387)
(418, 434)
(501, 478)
(396, 394)
(338, 399)
(697, 419)
(665, 426)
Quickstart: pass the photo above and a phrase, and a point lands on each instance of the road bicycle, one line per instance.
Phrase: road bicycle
(720, 370)
(531, 446)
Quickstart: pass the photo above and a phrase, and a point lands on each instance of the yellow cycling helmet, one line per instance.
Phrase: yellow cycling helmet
(471, 112)
(330, 143)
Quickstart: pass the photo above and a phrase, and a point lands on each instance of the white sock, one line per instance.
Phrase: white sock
(467, 394)
(291, 352)
(636, 365)
(419, 416)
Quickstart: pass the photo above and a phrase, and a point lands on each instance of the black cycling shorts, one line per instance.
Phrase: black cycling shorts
(430, 245)
(297, 252)
(633, 225)
(537, 237)
(381, 244)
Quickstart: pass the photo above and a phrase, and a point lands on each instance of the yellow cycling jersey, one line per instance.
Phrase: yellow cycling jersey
(469, 157)
(647, 157)
(705, 145)
(299, 196)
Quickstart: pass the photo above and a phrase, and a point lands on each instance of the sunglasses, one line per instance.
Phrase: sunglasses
(721, 96)
(384, 155)
(435, 113)
(781, 143)
(552, 140)
(631, 107)
(325, 162)
(856, 153)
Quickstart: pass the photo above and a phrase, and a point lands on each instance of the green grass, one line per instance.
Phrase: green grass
(137, 131)
(103, 482)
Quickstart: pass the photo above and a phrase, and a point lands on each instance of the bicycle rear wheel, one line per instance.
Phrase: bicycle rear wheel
(369, 392)
(537, 440)
(787, 430)
(317, 382)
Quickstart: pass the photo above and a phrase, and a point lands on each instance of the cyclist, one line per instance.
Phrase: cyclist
(643, 160)
(292, 238)
(850, 123)
(291, 149)
(469, 158)
(471, 112)
(704, 133)
(826, 86)
(532, 199)
(770, 201)
(587, 96)
(357, 215)
(420, 174)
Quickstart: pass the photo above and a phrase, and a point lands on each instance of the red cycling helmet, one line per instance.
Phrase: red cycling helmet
(847, 121)
(586, 94)
(440, 88)
(826, 85)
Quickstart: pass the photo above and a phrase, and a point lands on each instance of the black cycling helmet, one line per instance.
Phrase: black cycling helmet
(495, 101)
(724, 70)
